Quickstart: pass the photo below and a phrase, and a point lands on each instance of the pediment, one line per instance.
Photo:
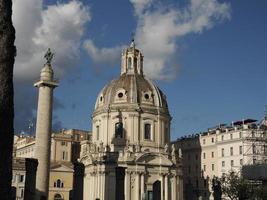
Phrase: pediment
(154, 159)
(62, 168)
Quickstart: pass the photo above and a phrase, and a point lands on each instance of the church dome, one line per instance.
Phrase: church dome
(132, 89)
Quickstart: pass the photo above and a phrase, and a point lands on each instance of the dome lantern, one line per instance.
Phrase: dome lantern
(132, 60)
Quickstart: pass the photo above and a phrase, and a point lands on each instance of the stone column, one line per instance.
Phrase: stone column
(137, 185)
(127, 186)
(78, 178)
(162, 187)
(94, 186)
(174, 188)
(142, 185)
(180, 181)
(46, 84)
(166, 184)
(30, 181)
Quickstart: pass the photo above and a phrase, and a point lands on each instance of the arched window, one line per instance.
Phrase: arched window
(59, 184)
(97, 132)
(129, 63)
(119, 130)
(58, 197)
(147, 132)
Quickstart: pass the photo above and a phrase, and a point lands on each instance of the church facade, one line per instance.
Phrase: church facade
(129, 156)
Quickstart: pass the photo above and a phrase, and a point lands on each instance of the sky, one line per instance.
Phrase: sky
(209, 57)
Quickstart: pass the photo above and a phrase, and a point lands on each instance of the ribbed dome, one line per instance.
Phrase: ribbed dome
(131, 89)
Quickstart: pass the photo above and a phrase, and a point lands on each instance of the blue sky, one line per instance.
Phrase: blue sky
(213, 71)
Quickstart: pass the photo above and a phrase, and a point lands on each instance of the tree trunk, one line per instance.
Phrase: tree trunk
(7, 54)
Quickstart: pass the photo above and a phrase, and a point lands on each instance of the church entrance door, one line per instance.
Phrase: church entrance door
(156, 190)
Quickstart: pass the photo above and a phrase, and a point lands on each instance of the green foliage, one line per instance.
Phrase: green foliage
(234, 187)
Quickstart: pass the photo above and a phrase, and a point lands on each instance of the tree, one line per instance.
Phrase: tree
(7, 56)
(237, 188)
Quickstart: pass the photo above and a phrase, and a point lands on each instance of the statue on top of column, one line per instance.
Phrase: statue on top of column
(48, 56)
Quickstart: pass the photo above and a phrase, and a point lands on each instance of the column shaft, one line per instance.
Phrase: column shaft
(166, 187)
(127, 186)
(137, 183)
(142, 185)
(162, 187)
(174, 188)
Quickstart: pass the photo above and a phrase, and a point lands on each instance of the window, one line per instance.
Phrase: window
(129, 63)
(240, 134)
(204, 141)
(63, 143)
(21, 178)
(254, 161)
(64, 155)
(204, 155)
(222, 152)
(231, 151)
(196, 156)
(212, 140)
(97, 132)
(232, 163)
(223, 163)
(212, 167)
(22, 193)
(58, 184)
(253, 149)
(188, 157)
(58, 197)
(241, 161)
(222, 137)
(212, 154)
(148, 131)
(189, 169)
(204, 168)
(231, 136)
(119, 130)
(240, 150)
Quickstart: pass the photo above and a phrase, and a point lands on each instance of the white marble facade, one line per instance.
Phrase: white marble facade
(129, 157)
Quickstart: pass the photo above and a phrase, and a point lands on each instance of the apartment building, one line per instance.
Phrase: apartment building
(65, 145)
(65, 149)
(219, 150)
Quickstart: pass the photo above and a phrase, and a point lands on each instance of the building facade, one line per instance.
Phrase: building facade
(65, 145)
(218, 151)
(130, 156)
(65, 149)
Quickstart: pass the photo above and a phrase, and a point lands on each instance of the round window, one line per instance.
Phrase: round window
(120, 95)
(146, 96)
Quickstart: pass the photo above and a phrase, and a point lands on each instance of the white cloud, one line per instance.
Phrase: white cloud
(159, 27)
(158, 30)
(59, 27)
(140, 5)
(102, 55)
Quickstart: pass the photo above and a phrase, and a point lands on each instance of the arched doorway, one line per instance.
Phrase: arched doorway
(156, 190)
(58, 197)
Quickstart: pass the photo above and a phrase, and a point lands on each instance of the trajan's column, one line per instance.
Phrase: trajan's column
(46, 84)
